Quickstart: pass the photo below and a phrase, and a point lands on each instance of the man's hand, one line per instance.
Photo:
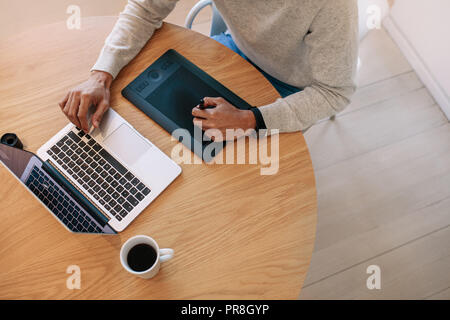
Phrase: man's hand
(223, 116)
(94, 91)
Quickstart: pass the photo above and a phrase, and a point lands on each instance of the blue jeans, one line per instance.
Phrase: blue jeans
(283, 89)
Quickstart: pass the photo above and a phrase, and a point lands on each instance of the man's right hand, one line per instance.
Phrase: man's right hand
(94, 91)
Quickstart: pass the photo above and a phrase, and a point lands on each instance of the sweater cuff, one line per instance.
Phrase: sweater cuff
(108, 62)
(273, 114)
(260, 124)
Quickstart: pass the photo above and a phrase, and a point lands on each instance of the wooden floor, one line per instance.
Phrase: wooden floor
(383, 182)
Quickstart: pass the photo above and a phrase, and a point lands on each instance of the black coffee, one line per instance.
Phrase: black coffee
(141, 257)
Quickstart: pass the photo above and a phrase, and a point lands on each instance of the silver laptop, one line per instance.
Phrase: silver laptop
(69, 206)
(115, 168)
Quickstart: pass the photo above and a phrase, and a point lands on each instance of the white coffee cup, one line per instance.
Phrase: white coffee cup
(162, 255)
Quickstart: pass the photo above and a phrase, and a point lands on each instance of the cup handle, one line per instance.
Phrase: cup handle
(165, 254)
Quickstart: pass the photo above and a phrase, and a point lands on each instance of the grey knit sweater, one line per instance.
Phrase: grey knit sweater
(311, 44)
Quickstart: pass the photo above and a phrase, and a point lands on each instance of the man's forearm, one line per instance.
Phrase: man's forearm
(301, 110)
(131, 32)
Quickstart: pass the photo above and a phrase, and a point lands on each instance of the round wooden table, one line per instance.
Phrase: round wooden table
(237, 234)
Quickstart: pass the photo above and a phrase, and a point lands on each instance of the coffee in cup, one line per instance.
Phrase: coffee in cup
(141, 256)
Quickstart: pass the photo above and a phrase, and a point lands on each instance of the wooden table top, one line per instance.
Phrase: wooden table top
(237, 234)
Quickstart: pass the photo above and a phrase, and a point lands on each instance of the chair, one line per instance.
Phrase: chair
(217, 25)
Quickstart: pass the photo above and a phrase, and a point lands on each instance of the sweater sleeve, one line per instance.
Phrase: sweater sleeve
(332, 46)
(135, 26)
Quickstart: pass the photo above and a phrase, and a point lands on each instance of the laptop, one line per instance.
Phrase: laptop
(98, 182)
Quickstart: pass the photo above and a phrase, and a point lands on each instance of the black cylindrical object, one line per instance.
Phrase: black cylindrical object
(12, 140)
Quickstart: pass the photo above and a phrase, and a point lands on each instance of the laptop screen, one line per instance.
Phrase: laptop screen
(15, 159)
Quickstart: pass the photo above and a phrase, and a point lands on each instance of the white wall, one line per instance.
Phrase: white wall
(422, 30)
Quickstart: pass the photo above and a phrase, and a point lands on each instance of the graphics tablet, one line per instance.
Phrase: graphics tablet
(170, 88)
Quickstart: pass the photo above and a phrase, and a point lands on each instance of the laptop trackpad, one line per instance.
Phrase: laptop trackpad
(126, 144)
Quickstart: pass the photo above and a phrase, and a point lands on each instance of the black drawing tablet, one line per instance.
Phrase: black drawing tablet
(168, 90)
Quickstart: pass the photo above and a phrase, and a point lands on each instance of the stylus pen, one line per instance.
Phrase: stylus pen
(201, 104)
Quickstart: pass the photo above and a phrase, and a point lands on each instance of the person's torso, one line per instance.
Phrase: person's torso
(271, 34)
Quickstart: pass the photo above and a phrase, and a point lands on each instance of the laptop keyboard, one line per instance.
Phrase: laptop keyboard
(99, 173)
(54, 198)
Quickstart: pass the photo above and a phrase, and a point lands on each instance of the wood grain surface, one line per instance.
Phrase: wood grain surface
(236, 233)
